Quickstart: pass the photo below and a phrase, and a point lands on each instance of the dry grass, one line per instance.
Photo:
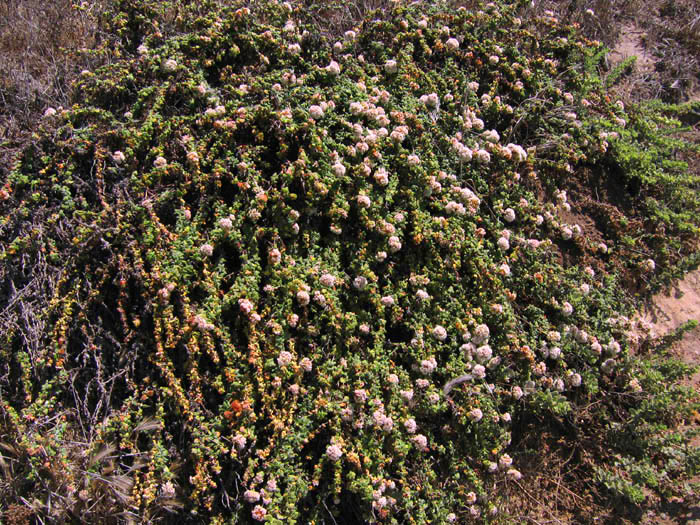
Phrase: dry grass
(673, 37)
(40, 53)
(670, 37)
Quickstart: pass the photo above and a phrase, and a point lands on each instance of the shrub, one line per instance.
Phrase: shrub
(278, 286)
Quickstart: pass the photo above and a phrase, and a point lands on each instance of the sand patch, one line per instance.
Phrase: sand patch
(631, 44)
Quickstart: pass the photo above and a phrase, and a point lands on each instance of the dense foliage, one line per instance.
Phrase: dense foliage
(289, 279)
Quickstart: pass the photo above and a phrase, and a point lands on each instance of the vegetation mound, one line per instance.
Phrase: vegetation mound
(258, 274)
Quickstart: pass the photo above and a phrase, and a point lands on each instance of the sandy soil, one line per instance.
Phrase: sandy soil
(631, 44)
(670, 310)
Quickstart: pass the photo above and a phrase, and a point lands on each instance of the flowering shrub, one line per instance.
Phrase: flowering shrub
(313, 268)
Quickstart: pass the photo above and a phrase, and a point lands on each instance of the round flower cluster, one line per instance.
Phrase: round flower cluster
(410, 425)
(364, 201)
(327, 280)
(170, 65)
(475, 414)
(427, 366)
(334, 452)
(118, 157)
(483, 156)
(316, 112)
(381, 177)
(439, 333)
(284, 359)
(421, 442)
(394, 244)
(480, 334)
(303, 297)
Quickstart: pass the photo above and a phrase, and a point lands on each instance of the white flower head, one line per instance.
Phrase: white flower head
(334, 452)
(517, 152)
(333, 68)
(439, 333)
(516, 392)
(381, 177)
(259, 513)
(481, 334)
(275, 256)
(303, 297)
(428, 366)
(422, 295)
(327, 280)
(491, 135)
(306, 364)
(391, 66)
(394, 244)
(475, 414)
(410, 425)
(483, 353)
(574, 380)
(452, 44)
(413, 160)
(360, 282)
(338, 169)
(316, 112)
(284, 358)
(505, 461)
(421, 441)
(363, 201)
(513, 474)
(251, 496)
(193, 158)
(483, 156)
(432, 100)
(169, 65)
